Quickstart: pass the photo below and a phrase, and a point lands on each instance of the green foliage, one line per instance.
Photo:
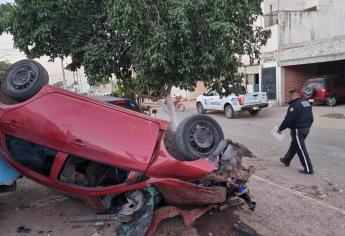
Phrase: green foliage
(4, 65)
(167, 43)
(123, 91)
(5, 10)
(59, 84)
(177, 43)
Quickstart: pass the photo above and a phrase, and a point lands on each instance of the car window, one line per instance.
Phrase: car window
(212, 93)
(314, 84)
(33, 156)
(133, 106)
(86, 173)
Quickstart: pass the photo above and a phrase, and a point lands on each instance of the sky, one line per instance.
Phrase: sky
(4, 1)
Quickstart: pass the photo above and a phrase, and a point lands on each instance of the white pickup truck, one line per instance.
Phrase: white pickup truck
(252, 102)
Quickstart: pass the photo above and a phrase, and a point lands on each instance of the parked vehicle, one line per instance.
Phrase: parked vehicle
(95, 151)
(121, 102)
(328, 89)
(251, 102)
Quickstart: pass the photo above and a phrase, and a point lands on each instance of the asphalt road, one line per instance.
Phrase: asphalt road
(326, 142)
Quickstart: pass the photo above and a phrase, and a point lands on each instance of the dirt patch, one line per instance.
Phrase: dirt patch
(221, 223)
(334, 116)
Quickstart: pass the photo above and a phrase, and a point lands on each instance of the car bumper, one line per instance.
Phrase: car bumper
(255, 106)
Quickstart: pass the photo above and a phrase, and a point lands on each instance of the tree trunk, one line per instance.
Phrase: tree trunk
(169, 108)
(172, 112)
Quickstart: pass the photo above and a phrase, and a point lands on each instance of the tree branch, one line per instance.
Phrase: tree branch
(153, 98)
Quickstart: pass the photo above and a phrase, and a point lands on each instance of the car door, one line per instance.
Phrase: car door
(216, 103)
(47, 121)
(210, 99)
(114, 136)
(34, 132)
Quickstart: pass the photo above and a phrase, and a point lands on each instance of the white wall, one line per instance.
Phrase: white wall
(9, 53)
(287, 5)
(305, 26)
(272, 42)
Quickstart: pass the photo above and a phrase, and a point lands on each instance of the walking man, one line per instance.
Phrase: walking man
(298, 119)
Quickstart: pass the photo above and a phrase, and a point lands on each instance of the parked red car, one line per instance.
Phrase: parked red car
(325, 89)
(95, 151)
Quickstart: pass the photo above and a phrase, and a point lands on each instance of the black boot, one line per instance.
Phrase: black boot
(306, 172)
(282, 161)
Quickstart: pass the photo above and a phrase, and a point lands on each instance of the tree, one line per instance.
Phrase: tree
(4, 65)
(167, 43)
(4, 13)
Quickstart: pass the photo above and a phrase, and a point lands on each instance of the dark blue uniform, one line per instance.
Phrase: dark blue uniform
(299, 119)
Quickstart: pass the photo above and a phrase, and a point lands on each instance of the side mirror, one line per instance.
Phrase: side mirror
(204, 94)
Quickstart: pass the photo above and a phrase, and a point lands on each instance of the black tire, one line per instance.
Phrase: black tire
(229, 111)
(331, 101)
(197, 136)
(254, 112)
(200, 108)
(181, 107)
(24, 79)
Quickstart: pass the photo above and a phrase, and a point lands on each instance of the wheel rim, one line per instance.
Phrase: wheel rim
(308, 91)
(332, 101)
(201, 137)
(23, 77)
(200, 108)
(228, 112)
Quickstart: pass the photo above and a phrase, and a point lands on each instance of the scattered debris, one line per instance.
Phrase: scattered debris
(231, 202)
(23, 229)
(100, 217)
(241, 228)
(142, 220)
(189, 216)
(221, 189)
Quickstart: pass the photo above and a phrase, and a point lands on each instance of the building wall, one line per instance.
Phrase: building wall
(272, 42)
(189, 95)
(288, 5)
(294, 79)
(10, 54)
(330, 49)
(326, 21)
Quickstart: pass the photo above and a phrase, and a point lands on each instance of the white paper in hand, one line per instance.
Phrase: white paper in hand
(276, 135)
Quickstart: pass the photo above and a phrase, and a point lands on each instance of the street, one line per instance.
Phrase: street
(325, 142)
(288, 203)
(284, 195)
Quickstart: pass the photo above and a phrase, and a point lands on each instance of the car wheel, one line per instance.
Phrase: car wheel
(181, 107)
(308, 91)
(229, 111)
(197, 136)
(200, 108)
(24, 79)
(254, 112)
(331, 101)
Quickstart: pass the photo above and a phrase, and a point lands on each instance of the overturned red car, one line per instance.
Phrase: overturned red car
(96, 151)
